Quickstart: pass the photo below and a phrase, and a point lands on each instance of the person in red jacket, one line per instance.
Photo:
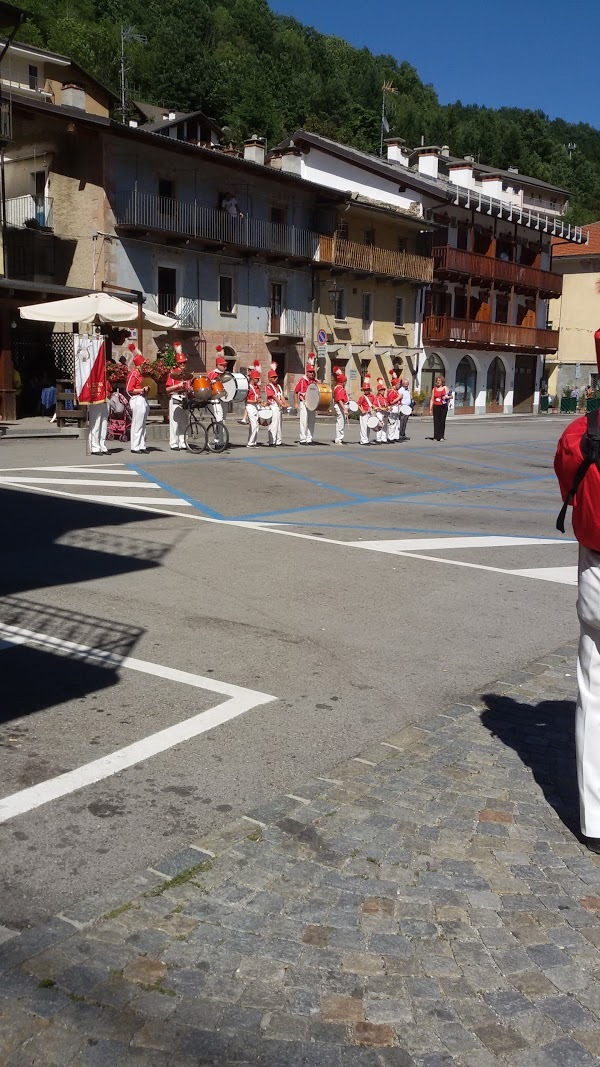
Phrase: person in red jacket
(380, 405)
(276, 401)
(253, 402)
(340, 405)
(393, 409)
(307, 418)
(176, 390)
(586, 527)
(365, 407)
(138, 402)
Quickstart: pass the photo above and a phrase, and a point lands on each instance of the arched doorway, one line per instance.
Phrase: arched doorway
(230, 356)
(465, 388)
(495, 385)
(433, 366)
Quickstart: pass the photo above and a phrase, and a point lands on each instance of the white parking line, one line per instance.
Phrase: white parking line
(36, 480)
(240, 700)
(423, 544)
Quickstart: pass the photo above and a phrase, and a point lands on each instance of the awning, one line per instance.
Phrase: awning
(96, 308)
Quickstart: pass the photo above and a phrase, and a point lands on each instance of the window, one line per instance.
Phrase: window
(166, 188)
(340, 305)
(277, 215)
(369, 237)
(399, 313)
(226, 300)
(167, 290)
(33, 77)
(402, 244)
(276, 307)
(364, 366)
(367, 309)
(341, 229)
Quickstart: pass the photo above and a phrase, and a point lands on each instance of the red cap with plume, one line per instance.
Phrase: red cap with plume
(380, 383)
(180, 358)
(138, 360)
(339, 375)
(366, 384)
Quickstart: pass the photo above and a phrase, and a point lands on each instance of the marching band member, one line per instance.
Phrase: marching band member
(276, 401)
(215, 376)
(393, 402)
(253, 403)
(98, 421)
(307, 418)
(405, 408)
(340, 405)
(176, 389)
(139, 405)
(380, 405)
(365, 407)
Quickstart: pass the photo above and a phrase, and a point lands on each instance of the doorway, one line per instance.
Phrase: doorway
(167, 290)
(495, 386)
(465, 388)
(524, 383)
(276, 307)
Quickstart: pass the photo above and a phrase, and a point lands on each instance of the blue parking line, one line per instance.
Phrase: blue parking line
(305, 478)
(468, 463)
(197, 504)
(401, 470)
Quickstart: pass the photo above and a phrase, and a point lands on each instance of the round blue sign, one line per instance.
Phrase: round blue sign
(322, 337)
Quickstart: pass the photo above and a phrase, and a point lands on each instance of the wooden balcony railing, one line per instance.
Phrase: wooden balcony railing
(471, 263)
(375, 260)
(146, 211)
(445, 330)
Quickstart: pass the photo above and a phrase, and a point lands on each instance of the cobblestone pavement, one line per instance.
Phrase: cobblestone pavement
(424, 904)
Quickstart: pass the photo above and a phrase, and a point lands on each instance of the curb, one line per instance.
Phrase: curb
(16, 947)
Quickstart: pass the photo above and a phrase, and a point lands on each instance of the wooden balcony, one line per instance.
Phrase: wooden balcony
(371, 259)
(486, 268)
(444, 330)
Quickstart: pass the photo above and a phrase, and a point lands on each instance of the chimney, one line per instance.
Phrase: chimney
(172, 116)
(254, 149)
(445, 149)
(469, 159)
(428, 157)
(291, 160)
(396, 151)
(513, 170)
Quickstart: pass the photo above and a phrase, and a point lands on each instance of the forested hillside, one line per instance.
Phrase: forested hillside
(257, 72)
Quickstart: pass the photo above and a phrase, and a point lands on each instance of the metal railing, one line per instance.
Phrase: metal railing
(147, 211)
(447, 258)
(185, 309)
(375, 260)
(505, 209)
(446, 330)
(34, 212)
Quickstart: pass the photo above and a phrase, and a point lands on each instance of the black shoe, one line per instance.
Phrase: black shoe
(593, 844)
(430, 438)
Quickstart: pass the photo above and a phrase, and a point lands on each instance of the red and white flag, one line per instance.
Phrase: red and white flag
(90, 369)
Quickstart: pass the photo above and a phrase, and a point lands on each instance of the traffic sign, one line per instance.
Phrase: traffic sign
(322, 337)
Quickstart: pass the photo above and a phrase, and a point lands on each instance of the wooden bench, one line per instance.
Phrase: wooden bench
(64, 414)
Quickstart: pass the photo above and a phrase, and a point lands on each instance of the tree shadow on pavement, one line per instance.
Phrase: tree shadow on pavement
(543, 736)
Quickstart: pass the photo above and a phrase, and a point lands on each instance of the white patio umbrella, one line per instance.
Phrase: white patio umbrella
(96, 308)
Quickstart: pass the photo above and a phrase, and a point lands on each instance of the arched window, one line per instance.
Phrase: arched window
(495, 385)
(230, 356)
(433, 366)
(466, 383)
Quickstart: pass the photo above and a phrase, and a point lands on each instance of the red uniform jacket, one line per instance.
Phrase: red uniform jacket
(380, 401)
(134, 381)
(365, 403)
(586, 506)
(274, 392)
(393, 396)
(302, 386)
(253, 393)
(340, 395)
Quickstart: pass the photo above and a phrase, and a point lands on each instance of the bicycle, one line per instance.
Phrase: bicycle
(201, 435)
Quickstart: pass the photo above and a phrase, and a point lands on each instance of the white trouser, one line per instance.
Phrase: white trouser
(252, 410)
(139, 415)
(340, 424)
(364, 429)
(217, 410)
(381, 433)
(393, 426)
(98, 423)
(275, 425)
(178, 420)
(587, 719)
(307, 424)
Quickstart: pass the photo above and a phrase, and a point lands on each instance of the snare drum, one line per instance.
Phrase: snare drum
(405, 409)
(265, 416)
(352, 406)
(374, 423)
(201, 387)
(217, 389)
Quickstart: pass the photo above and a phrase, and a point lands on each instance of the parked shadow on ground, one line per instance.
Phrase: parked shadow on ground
(50, 541)
(543, 736)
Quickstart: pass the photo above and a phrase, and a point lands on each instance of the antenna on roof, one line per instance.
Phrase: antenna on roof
(127, 34)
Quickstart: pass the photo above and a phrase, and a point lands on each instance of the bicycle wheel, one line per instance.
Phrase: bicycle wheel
(217, 436)
(195, 437)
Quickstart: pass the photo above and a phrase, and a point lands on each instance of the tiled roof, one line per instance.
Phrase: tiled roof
(567, 248)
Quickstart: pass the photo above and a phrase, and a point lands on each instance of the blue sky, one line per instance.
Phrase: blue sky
(534, 54)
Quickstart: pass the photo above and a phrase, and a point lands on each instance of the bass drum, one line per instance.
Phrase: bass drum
(318, 396)
(229, 387)
(241, 382)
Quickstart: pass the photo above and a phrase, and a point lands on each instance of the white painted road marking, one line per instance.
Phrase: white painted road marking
(129, 501)
(87, 468)
(561, 575)
(423, 544)
(240, 700)
(35, 480)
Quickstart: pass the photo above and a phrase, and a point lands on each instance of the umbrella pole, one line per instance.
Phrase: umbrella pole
(140, 325)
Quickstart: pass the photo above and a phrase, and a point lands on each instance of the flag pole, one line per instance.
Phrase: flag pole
(382, 120)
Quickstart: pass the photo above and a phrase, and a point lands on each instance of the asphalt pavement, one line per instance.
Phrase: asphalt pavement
(323, 596)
